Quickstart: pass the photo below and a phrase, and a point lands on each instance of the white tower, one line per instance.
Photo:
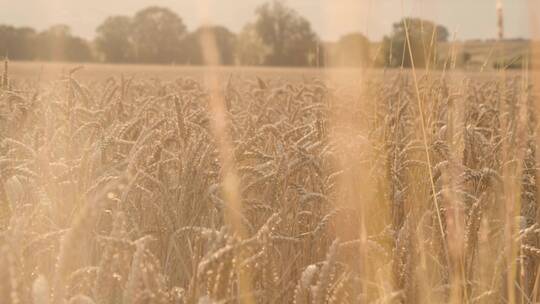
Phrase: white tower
(500, 20)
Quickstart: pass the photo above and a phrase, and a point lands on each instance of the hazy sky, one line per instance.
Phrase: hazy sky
(330, 18)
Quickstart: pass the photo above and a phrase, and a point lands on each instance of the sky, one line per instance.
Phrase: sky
(467, 19)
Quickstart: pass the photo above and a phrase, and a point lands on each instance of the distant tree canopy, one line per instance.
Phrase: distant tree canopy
(353, 50)
(225, 44)
(278, 36)
(413, 36)
(154, 35)
(250, 48)
(17, 43)
(56, 43)
(114, 39)
(157, 36)
(288, 35)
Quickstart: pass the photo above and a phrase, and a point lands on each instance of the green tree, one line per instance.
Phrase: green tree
(78, 50)
(58, 44)
(225, 43)
(157, 35)
(113, 39)
(250, 48)
(17, 43)
(288, 34)
(353, 50)
(423, 37)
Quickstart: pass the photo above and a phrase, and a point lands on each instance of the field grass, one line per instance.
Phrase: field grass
(485, 53)
(267, 186)
(46, 72)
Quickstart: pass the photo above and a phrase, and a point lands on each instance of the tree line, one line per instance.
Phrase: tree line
(279, 36)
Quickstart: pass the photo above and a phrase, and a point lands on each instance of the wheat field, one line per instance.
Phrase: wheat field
(404, 188)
